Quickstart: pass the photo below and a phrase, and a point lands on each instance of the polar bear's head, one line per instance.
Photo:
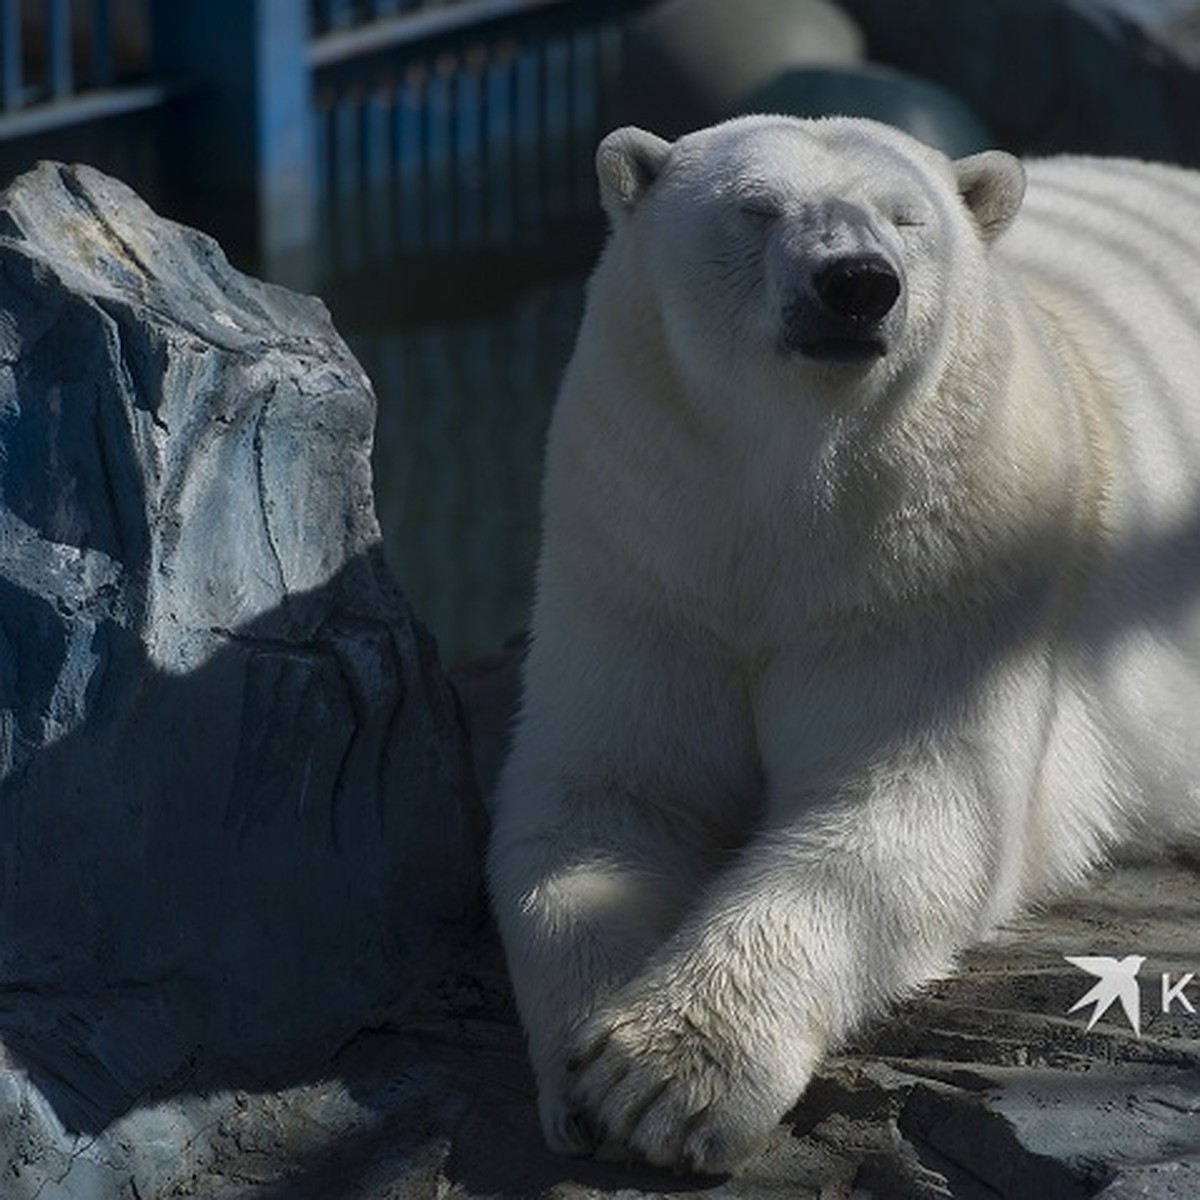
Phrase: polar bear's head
(833, 249)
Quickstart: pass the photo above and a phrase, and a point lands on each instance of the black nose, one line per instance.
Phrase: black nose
(863, 287)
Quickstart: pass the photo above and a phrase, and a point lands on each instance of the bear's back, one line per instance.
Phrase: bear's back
(1109, 251)
(1093, 223)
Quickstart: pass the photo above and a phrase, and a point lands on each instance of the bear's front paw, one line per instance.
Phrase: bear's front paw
(679, 1085)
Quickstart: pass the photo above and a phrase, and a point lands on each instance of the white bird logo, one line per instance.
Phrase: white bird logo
(1118, 981)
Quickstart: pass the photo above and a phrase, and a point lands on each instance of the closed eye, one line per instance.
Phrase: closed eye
(904, 218)
(761, 208)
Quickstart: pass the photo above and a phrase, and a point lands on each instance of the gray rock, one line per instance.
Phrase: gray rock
(237, 814)
(1155, 1181)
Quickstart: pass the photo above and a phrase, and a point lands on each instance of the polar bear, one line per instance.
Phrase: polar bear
(868, 606)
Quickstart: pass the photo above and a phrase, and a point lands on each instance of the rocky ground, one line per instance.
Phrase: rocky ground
(982, 1087)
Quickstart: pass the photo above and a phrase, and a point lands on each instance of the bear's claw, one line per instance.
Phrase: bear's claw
(567, 1130)
(658, 1087)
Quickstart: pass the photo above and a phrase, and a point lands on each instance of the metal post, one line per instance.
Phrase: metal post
(240, 157)
(59, 75)
(102, 44)
(12, 86)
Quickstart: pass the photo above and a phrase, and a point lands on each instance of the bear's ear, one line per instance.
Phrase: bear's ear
(628, 161)
(992, 185)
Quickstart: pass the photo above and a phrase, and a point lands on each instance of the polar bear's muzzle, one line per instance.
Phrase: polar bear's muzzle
(849, 310)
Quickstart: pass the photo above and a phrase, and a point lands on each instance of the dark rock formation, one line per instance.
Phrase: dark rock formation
(236, 807)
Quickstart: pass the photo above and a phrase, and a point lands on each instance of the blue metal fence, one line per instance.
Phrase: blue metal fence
(65, 64)
(368, 128)
(36, 59)
(483, 144)
(54, 50)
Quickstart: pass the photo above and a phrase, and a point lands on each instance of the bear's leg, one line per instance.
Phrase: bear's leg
(823, 919)
(584, 888)
(634, 771)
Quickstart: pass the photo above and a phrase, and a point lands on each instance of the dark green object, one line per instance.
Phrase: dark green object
(919, 107)
(688, 61)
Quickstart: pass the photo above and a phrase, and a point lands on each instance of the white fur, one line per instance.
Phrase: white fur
(834, 666)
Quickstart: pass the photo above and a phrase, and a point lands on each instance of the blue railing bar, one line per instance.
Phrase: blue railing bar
(102, 44)
(12, 87)
(339, 45)
(384, 8)
(90, 106)
(58, 48)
